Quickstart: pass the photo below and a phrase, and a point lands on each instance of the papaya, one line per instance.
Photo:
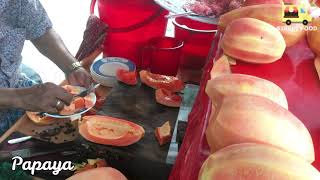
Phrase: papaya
(101, 173)
(249, 161)
(235, 84)
(168, 98)
(40, 120)
(220, 67)
(158, 81)
(270, 13)
(253, 41)
(163, 133)
(110, 131)
(77, 103)
(317, 65)
(313, 37)
(255, 119)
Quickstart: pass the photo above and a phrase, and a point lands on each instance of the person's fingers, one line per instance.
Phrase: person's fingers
(73, 81)
(52, 110)
(59, 105)
(87, 81)
(63, 95)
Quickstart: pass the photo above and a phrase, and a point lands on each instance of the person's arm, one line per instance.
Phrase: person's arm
(39, 98)
(51, 46)
(8, 98)
(34, 19)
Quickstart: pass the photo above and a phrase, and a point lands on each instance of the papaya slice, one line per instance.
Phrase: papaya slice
(110, 131)
(127, 77)
(163, 133)
(168, 98)
(37, 119)
(157, 81)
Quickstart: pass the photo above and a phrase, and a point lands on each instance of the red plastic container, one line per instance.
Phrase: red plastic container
(294, 73)
(131, 25)
(197, 37)
(162, 55)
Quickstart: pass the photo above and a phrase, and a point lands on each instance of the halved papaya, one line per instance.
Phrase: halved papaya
(102, 173)
(221, 67)
(168, 98)
(37, 119)
(110, 131)
(157, 81)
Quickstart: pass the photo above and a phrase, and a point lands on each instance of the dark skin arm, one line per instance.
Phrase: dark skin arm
(51, 46)
(44, 97)
(40, 98)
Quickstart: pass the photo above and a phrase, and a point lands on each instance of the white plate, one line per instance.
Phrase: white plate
(177, 7)
(92, 97)
(104, 70)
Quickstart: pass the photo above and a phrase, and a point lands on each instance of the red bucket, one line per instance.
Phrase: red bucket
(131, 25)
(197, 37)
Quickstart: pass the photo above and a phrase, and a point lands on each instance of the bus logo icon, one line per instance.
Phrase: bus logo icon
(295, 14)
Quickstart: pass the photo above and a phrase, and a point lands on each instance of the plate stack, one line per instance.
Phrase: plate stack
(104, 70)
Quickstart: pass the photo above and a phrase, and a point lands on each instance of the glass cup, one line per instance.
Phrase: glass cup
(162, 55)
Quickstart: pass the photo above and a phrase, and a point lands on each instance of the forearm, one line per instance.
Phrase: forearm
(51, 46)
(9, 98)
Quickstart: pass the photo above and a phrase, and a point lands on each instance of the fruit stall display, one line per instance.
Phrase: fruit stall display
(257, 111)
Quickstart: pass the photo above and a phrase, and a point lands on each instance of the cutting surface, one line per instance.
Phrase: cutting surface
(137, 104)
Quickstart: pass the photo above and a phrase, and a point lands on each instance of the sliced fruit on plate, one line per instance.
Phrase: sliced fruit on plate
(78, 103)
(317, 65)
(88, 102)
(220, 67)
(127, 77)
(157, 81)
(100, 101)
(40, 120)
(72, 89)
(163, 133)
(168, 98)
(102, 173)
(110, 131)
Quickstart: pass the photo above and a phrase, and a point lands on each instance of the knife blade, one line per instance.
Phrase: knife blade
(88, 91)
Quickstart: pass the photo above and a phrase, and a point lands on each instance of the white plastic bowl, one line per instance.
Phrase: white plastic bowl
(104, 70)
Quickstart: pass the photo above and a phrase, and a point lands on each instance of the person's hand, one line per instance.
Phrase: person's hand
(46, 97)
(80, 77)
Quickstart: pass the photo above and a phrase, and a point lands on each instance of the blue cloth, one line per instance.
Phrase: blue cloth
(8, 117)
(20, 20)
